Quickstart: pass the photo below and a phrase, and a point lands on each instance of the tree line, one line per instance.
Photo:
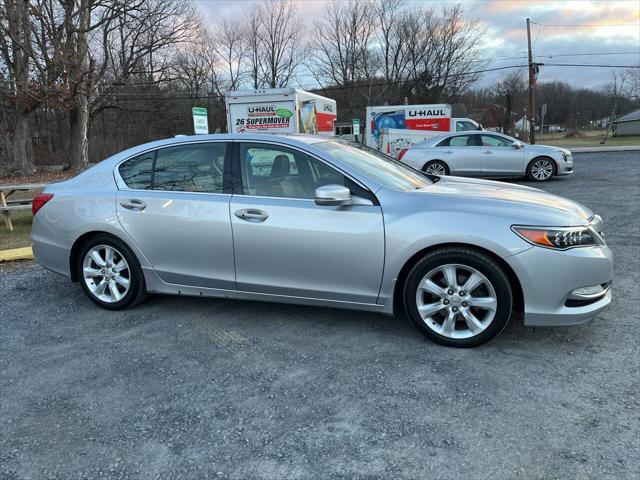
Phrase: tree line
(82, 79)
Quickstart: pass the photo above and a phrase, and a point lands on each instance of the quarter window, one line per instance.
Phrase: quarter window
(137, 172)
(184, 168)
(272, 171)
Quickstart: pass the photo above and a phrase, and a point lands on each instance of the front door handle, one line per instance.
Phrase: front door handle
(487, 152)
(133, 204)
(251, 214)
(448, 152)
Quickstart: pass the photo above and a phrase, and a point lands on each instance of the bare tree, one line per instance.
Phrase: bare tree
(280, 35)
(15, 47)
(232, 48)
(254, 45)
(443, 51)
(341, 40)
(506, 92)
(391, 34)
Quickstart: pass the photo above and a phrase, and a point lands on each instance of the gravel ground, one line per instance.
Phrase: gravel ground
(201, 388)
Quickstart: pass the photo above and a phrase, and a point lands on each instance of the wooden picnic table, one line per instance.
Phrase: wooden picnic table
(7, 191)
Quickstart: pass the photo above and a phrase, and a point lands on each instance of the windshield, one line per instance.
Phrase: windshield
(375, 165)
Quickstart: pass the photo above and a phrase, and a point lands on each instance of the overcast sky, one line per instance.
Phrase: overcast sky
(562, 31)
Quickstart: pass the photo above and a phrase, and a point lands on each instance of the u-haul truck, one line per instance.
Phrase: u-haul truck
(425, 120)
(280, 110)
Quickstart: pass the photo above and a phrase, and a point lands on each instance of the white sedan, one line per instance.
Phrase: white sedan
(487, 154)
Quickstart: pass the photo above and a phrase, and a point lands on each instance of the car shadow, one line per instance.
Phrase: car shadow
(276, 318)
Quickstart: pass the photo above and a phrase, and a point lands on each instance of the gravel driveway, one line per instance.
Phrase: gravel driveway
(201, 388)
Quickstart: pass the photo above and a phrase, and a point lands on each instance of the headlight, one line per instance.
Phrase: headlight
(559, 238)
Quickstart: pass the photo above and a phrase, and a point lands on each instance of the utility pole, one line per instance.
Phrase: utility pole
(532, 110)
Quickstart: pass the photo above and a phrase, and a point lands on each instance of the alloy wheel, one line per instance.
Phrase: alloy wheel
(106, 273)
(456, 301)
(436, 169)
(542, 169)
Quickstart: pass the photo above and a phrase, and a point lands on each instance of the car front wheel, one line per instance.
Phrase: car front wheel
(541, 169)
(458, 297)
(109, 273)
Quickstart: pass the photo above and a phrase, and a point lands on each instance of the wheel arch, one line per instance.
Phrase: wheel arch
(81, 240)
(398, 303)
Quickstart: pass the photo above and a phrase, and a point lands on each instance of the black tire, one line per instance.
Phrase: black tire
(137, 288)
(484, 264)
(439, 163)
(546, 160)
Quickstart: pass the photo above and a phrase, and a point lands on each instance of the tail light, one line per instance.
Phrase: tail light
(39, 200)
(402, 152)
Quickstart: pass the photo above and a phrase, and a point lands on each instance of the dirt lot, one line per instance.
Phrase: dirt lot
(198, 388)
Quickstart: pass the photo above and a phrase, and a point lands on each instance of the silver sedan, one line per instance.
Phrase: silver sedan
(487, 154)
(315, 221)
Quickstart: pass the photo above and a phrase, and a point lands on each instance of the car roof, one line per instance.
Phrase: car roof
(438, 138)
(288, 139)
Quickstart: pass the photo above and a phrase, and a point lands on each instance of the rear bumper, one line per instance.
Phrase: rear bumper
(549, 276)
(50, 255)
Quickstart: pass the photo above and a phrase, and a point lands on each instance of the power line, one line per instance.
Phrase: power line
(590, 65)
(171, 96)
(587, 54)
(579, 25)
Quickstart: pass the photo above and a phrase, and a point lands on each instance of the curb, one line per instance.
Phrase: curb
(16, 254)
(629, 148)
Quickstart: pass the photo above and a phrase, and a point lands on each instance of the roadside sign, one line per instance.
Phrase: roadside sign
(356, 126)
(200, 121)
(544, 109)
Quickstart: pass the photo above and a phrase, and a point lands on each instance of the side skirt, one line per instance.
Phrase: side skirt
(156, 285)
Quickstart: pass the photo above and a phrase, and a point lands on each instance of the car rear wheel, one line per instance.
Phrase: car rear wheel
(458, 297)
(541, 169)
(436, 167)
(109, 273)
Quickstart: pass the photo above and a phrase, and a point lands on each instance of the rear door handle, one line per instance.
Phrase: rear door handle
(133, 204)
(487, 152)
(251, 214)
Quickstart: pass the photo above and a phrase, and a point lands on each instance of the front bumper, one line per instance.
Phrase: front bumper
(565, 167)
(549, 276)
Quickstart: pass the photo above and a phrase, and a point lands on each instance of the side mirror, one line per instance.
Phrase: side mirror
(332, 195)
(517, 145)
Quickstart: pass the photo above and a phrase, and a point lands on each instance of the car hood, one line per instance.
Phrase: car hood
(532, 202)
(545, 149)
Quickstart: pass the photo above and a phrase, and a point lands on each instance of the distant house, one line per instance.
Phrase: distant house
(628, 124)
(522, 124)
(492, 119)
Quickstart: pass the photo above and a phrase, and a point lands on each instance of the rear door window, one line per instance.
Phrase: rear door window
(190, 168)
(184, 168)
(460, 141)
(495, 141)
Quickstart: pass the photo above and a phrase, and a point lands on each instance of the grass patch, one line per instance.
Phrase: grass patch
(21, 229)
(586, 138)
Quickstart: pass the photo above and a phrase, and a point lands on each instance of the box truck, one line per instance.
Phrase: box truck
(279, 110)
(429, 120)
